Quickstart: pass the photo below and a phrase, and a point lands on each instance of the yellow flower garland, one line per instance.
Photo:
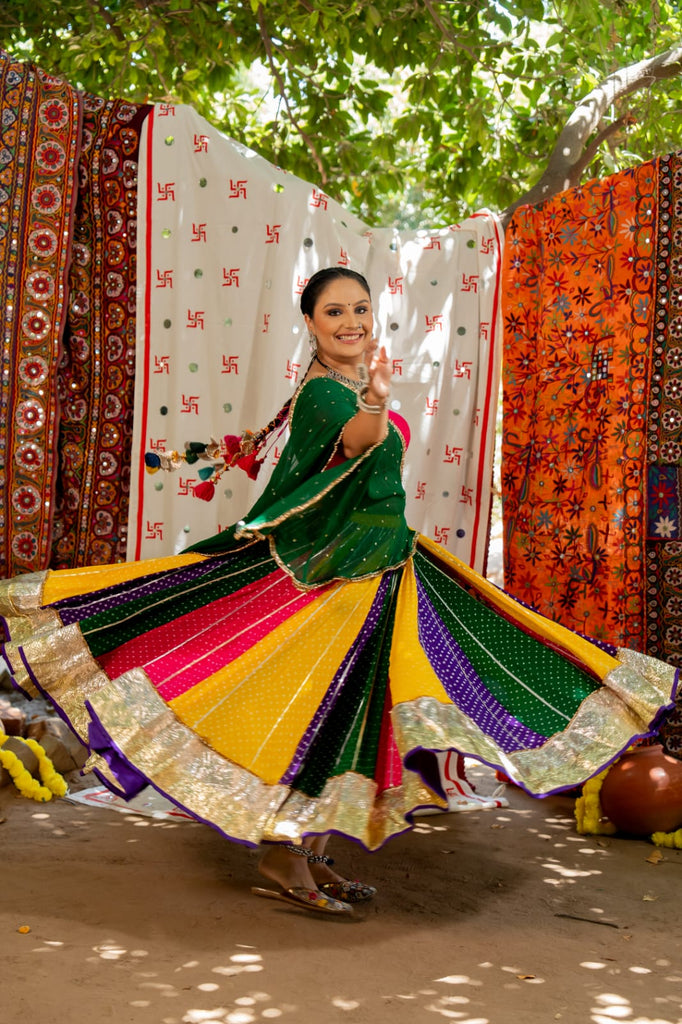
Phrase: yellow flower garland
(53, 784)
(673, 840)
(590, 818)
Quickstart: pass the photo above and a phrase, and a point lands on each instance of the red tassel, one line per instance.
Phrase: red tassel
(205, 490)
(251, 465)
(232, 445)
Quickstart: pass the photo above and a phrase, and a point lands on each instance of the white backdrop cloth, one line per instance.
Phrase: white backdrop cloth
(226, 242)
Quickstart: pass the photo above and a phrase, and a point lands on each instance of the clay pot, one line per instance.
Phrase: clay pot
(642, 792)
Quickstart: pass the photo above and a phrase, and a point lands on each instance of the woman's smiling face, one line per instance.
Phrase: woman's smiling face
(342, 322)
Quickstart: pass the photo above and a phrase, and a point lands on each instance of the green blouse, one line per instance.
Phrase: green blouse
(328, 517)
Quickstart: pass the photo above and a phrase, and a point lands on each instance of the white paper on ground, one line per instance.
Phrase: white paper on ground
(149, 803)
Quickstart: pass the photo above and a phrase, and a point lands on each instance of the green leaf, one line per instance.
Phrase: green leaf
(417, 113)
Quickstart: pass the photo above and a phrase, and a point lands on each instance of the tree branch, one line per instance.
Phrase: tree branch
(281, 88)
(456, 42)
(569, 157)
(108, 20)
(438, 22)
(603, 136)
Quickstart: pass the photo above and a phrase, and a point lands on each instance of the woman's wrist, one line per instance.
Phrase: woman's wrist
(369, 401)
(376, 399)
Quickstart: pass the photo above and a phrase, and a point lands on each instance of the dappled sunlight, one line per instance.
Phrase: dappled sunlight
(557, 832)
(613, 1005)
(460, 1006)
(245, 983)
(112, 951)
(194, 983)
(574, 857)
(531, 921)
(58, 828)
(566, 873)
(464, 998)
(424, 828)
(610, 1008)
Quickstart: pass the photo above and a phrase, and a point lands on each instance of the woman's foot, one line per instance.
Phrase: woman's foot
(288, 869)
(334, 885)
(287, 866)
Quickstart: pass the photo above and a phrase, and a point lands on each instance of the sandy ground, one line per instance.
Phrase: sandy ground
(486, 917)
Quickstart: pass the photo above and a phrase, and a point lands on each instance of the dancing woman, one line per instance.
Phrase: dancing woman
(292, 676)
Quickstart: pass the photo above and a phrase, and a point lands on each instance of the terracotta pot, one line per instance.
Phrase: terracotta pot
(642, 792)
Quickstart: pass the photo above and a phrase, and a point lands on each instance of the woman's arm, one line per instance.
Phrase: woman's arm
(366, 429)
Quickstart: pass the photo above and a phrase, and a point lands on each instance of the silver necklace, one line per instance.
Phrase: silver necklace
(336, 375)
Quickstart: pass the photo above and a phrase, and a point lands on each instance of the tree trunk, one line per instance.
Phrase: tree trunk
(572, 153)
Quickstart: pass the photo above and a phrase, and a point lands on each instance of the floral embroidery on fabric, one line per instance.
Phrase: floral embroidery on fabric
(38, 143)
(578, 290)
(96, 374)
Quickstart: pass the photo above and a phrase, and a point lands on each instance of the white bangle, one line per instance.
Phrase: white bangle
(365, 406)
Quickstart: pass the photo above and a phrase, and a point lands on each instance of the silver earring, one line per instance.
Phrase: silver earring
(312, 341)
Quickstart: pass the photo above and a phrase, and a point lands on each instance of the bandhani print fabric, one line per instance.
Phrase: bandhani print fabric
(180, 676)
(39, 133)
(578, 294)
(96, 377)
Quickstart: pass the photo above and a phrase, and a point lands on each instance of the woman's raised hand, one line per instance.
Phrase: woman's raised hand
(380, 373)
(368, 427)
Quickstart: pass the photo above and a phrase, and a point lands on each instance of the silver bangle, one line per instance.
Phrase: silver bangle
(364, 406)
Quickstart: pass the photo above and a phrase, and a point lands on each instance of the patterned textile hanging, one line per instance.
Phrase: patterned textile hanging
(664, 455)
(229, 242)
(39, 133)
(96, 375)
(578, 294)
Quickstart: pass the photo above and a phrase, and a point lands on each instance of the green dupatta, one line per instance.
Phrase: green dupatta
(345, 520)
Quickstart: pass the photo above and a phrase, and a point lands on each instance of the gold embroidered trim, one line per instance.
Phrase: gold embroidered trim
(232, 798)
(600, 730)
(22, 593)
(63, 665)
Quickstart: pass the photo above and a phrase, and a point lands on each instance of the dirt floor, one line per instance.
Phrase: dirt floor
(484, 917)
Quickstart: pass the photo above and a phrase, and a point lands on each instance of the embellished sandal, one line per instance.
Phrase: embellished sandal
(302, 896)
(348, 892)
(306, 899)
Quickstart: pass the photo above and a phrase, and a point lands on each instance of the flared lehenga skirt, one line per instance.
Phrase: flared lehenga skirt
(272, 712)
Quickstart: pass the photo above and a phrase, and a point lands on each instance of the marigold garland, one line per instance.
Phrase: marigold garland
(52, 783)
(589, 816)
(672, 840)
